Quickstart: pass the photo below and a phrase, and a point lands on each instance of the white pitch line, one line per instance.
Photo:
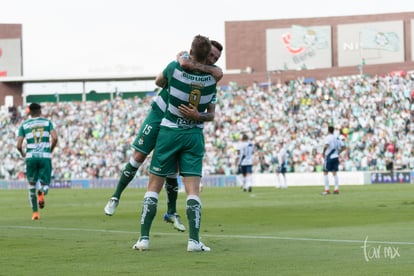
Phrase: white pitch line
(208, 235)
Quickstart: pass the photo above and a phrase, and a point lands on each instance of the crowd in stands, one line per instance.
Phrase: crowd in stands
(372, 114)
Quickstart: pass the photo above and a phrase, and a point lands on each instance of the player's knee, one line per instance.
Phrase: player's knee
(139, 156)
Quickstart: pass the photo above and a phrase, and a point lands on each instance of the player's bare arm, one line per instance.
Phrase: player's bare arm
(160, 80)
(19, 146)
(54, 137)
(192, 113)
(188, 64)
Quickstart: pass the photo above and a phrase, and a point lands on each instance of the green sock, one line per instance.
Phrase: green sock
(33, 198)
(127, 174)
(194, 217)
(149, 210)
(171, 187)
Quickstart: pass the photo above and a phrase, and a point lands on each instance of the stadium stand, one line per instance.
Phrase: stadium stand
(374, 115)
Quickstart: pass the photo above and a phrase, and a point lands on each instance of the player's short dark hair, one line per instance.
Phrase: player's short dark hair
(217, 44)
(34, 107)
(330, 129)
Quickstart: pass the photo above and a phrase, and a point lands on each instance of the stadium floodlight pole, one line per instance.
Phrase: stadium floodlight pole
(361, 51)
(24, 96)
(362, 65)
(269, 81)
(57, 97)
(83, 91)
(361, 68)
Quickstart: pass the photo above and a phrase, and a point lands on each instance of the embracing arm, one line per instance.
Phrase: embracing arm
(188, 64)
(209, 115)
(191, 112)
(161, 81)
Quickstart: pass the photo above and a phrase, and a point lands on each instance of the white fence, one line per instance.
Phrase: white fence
(259, 180)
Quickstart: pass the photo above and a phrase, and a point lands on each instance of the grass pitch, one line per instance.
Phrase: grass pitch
(366, 230)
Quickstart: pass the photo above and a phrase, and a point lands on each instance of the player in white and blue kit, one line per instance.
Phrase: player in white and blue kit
(245, 162)
(333, 147)
(282, 159)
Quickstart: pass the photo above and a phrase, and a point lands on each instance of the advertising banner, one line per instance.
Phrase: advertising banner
(298, 48)
(10, 58)
(391, 177)
(370, 43)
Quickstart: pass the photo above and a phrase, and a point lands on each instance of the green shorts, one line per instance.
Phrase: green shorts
(147, 136)
(182, 146)
(39, 169)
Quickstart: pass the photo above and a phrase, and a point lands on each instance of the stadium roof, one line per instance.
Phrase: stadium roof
(22, 79)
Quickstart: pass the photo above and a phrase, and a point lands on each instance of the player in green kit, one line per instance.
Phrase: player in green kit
(191, 102)
(145, 140)
(41, 139)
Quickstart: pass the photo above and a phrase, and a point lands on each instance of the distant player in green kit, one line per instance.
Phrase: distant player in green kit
(41, 139)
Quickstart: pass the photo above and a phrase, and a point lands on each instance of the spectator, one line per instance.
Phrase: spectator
(371, 111)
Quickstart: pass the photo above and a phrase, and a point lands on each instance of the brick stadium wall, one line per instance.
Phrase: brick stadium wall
(245, 43)
(10, 31)
(11, 89)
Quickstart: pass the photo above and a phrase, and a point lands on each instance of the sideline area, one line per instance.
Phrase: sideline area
(259, 180)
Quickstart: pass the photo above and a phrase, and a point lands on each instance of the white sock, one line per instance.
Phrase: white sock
(336, 182)
(278, 181)
(134, 163)
(326, 179)
(249, 181)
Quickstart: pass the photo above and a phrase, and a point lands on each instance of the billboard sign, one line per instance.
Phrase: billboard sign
(299, 48)
(412, 39)
(370, 43)
(391, 177)
(10, 58)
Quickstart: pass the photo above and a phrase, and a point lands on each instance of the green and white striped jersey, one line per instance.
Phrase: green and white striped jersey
(161, 100)
(187, 88)
(36, 131)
